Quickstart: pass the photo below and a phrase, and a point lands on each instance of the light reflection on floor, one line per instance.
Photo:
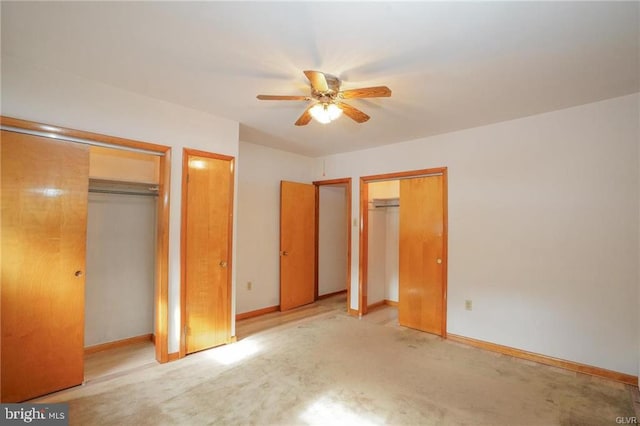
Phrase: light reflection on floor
(234, 352)
(328, 411)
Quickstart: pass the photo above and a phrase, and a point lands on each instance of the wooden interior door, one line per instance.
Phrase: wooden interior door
(44, 214)
(297, 244)
(207, 230)
(421, 262)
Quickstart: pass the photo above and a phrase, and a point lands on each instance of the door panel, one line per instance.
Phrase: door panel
(421, 285)
(44, 211)
(297, 244)
(208, 252)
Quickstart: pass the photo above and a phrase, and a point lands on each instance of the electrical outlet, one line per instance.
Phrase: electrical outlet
(249, 285)
(468, 305)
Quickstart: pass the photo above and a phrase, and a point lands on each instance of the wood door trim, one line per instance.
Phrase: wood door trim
(445, 249)
(118, 343)
(186, 153)
(364, 247)
(406, 174)
(161, 285)
(257, 312)
(364, 228)
(376, 305)
(547, 360)
(332, 181)
(328, 295)
(198, 153)
(346, 182)
(161, 331)
(81, 134)
(316, 237)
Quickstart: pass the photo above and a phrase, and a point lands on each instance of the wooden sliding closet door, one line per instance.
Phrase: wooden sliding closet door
(44, 213)
(297, 244)
(421, 277)
(207, 250)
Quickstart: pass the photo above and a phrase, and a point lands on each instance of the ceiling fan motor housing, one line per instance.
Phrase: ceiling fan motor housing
(333, 83)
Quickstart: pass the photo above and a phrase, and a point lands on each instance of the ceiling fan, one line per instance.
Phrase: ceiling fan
(327, 97)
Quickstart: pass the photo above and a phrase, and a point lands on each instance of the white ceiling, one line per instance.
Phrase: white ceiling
(450, 65)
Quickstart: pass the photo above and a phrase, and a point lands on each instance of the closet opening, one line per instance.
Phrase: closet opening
(383, 210)
(403, 246)
(49, 167)
(120, 261)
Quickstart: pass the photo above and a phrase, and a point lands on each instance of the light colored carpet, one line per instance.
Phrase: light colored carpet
(332, 369)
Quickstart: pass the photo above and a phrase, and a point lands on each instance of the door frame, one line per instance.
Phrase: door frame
(364, 233)
(186, 153)
(346, 183)
(161, 285)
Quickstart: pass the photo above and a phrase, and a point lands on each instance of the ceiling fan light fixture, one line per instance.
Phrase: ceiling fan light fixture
(324, 112)
(327, 99)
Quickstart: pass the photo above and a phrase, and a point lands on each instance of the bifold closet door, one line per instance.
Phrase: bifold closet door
(297, 244)
(207, 244)
(421, 235)
(44, 214)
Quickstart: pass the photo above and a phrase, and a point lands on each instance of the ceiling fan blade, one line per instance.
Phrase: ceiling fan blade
(318, 81)
(305, 118)
(367, 92)
(282, 98)
(354, 113)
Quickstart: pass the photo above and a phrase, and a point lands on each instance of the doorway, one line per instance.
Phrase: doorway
(422, 246)
(303, 251)
(333, 231)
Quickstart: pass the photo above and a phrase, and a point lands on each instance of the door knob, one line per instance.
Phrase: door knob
(285, 253)
(78, 273)
(223, 264)
(438, 261)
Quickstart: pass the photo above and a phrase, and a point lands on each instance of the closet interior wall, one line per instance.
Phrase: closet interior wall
(121, 239)
(383, 241)
(333, 227)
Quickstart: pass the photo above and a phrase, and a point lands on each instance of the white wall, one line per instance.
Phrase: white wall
(392, 254)
(62, 99)
(332, 239)
(384, 248)
(260, 170)
(543, 228)
(117, 164)
(383, 254)
(120, 269)
(386, 189)
(376, 259)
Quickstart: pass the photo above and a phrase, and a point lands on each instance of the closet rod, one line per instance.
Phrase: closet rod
(107, 191)
(78, 140)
